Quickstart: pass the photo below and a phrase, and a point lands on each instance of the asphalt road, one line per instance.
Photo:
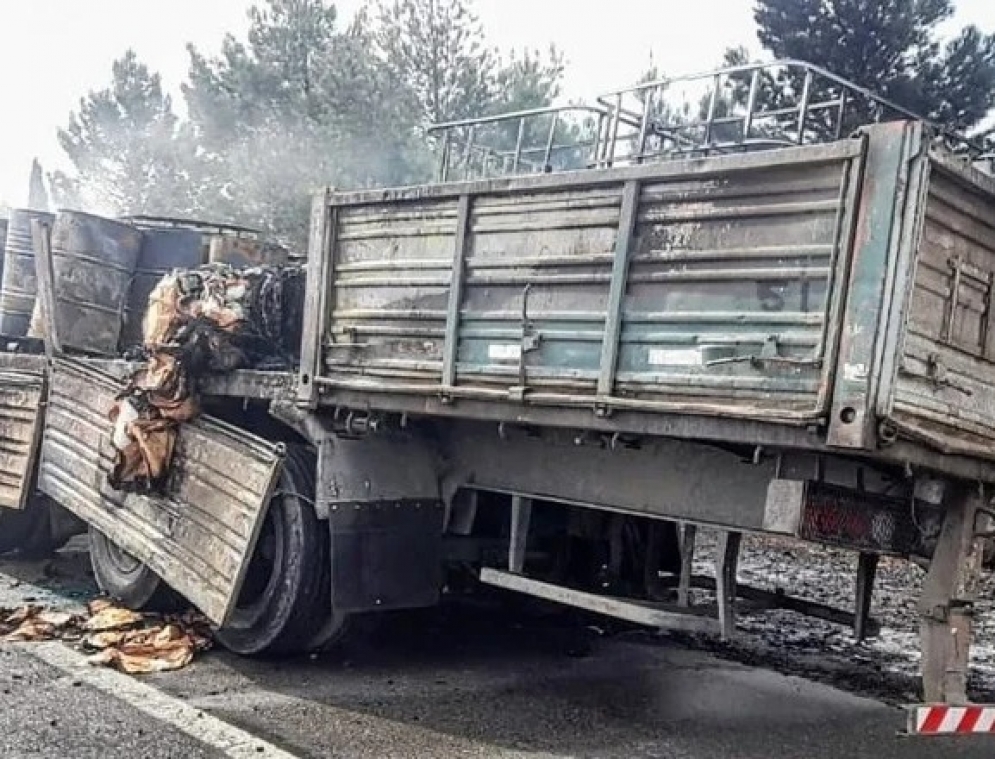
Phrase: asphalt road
(457, 682)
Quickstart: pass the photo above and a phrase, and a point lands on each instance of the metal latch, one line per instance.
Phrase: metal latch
(530, 341)
(769, 353)
(937, 374)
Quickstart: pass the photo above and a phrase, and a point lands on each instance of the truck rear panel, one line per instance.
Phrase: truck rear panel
(942, 389)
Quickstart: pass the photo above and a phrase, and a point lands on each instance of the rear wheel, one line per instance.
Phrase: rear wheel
(120, 575)
(285, 603)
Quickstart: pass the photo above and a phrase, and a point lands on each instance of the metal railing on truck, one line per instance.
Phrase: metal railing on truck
(758, 106)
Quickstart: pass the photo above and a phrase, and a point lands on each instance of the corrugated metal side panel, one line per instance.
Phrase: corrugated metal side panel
(21, 395)
(704, 286)
(722, 270)
(725, 266)
(200, 536)
(392, 270)
(944, 391)
(538, 262)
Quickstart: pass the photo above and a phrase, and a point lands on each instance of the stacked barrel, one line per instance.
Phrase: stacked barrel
(103, 271)
(18, 285)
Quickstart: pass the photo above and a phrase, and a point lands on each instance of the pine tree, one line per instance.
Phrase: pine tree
(892, 48)
(439, 48)
(301, 104)
(125, 147)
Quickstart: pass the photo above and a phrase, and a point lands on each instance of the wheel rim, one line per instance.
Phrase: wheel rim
(122, 561)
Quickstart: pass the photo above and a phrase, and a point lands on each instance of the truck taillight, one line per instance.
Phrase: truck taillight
(867, 521)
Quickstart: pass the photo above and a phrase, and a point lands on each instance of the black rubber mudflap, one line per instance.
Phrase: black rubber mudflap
(386, 554)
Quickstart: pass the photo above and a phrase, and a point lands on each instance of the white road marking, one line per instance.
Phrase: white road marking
(230, 740)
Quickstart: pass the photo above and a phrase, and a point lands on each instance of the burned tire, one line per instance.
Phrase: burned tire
(120, 575)
(284, 605)
(31, 531)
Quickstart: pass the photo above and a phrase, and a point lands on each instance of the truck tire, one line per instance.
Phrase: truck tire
(329, 626)
(285, 601)
(30, 531)
(123, 577)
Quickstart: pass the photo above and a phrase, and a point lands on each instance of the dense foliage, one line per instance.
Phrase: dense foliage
(308, 100)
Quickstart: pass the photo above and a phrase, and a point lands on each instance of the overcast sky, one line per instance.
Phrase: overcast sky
(53, 51)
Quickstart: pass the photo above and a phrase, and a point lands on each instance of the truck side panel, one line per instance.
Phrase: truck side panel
(199, 536)
(704, 286)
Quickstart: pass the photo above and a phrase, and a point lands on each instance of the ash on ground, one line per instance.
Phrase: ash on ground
(885, 666)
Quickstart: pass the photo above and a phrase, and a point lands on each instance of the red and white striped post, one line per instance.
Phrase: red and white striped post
(943, 719)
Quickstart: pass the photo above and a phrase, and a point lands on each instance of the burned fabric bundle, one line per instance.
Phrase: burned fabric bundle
(145, 417)
(210, 320)
(227, 318)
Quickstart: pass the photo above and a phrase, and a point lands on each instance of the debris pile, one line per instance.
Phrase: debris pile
(129, 641)
(886, 665)
(210, 320)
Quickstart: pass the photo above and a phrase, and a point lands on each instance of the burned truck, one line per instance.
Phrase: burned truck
(599, 328)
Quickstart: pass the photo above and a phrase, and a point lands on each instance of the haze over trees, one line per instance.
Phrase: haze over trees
(309, 99)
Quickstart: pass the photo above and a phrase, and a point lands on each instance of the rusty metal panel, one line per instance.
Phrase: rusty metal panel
(21, 411)
(733, 288)
(537, 290)
(708, 287)
(93, 262)
(390, 290)
(880, 237)
(200, 535)
(941, 389)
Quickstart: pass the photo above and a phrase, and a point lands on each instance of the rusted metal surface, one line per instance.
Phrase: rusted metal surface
(21, 412)
(93, 262)
(242, 383)
(720, 302)
(3, 243)
(18, 287)
(870, 284)
(940, 387)
(162, 250)
(200, 535)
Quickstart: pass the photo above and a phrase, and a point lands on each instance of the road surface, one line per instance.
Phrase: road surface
(458, 682)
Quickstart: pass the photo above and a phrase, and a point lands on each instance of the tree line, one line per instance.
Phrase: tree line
(309, 99)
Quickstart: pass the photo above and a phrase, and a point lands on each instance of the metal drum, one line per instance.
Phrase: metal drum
(93, 261)
(18, 286)
(208, 230)
(245, 253)
(162, 251)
